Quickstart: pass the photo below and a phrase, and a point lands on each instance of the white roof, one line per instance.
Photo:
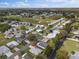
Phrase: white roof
(27, 41)
(76, 32)
(16, 57)
(13, 43)
(52, 35)
(35, 50)
(16, 49)
(45, 40)
(38, 30)
(8, 54)
(56, 21)
(18, 35)
(4, 49)
(75, 56)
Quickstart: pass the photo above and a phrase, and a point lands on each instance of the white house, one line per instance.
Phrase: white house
(35, 50)
(12, 44)
(5, 51)
(52, 35)
(45, 40)
(75, 32)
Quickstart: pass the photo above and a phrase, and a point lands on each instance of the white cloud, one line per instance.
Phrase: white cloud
(16, 5)
(21, 4)
(74, 2)
(41, 6)
(46, 4)
(4, 4)
(57, 0)
(24, 0)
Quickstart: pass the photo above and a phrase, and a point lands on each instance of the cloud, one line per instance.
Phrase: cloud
(74, 2)
(41, 6)
(21, 4)
(16, 5)
(4, 4)
(24, 0)
(39, 3)
(57, 0)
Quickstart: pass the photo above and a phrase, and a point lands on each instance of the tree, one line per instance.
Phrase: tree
(68, 27)
(75, 25)
(23, 28)
(32, 37)
(48, 50)
(51, 43)
(4, 27)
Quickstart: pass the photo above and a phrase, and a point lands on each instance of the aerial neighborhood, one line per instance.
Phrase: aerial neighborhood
(39, 34)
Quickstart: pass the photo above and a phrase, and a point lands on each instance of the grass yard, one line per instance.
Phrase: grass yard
(4, 41)
(36, 20)
(45, 21)
(70, 46)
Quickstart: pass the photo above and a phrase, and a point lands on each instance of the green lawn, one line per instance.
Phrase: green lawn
(35, 20)
(70, 46)
(4, 41)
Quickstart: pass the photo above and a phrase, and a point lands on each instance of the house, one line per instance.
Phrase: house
(17, 35)
(66, 22)
(19, 40)
(16, 49)
(27, 41)
(75, 56)
(45, 40)
(77, 36)
(60, 27)
(12, 44)
(40, 26)
(57, 21)
(5, 51)
(42, 45)
(9, 54)
(76, 32)
(34, 50)
(53, 34)
(16, 57)
(9, 34)
(26, 56)
(39, 30)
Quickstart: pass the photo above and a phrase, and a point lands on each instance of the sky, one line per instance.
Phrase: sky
(39, 3)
